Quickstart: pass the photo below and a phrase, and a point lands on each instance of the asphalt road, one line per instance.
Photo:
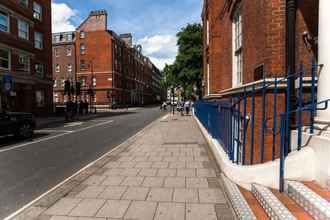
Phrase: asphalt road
(30, 168)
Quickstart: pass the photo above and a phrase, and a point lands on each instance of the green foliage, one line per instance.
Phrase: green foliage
(186, 72)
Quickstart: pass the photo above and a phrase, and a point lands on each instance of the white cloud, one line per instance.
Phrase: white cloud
(161, 49)
(61, 17)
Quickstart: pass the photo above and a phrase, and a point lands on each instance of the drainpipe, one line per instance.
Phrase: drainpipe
(323, 58)
(291, 8)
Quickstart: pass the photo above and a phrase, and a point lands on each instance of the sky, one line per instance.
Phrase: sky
(153, 23)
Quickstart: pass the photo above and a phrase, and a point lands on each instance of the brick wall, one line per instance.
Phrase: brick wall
(263, 44)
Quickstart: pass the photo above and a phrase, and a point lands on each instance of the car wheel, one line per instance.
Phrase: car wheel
(25, 131)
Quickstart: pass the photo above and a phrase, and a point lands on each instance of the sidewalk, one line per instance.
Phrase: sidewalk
(165, 172)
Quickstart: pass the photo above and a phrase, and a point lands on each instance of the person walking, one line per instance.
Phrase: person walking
(187, 107)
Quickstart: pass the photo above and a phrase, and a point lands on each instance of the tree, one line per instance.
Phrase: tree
(186, 71)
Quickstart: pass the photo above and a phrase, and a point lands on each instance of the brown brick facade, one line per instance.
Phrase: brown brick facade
(109, 65)
(32, 81)
(264, 49)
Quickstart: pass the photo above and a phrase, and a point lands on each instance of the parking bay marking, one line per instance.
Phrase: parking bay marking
(55, 136)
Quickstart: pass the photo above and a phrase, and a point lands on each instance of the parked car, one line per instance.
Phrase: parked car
(20, 124)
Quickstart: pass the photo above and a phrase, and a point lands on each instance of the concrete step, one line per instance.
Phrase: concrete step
(310, 201)
(274, 208)
(240, 205)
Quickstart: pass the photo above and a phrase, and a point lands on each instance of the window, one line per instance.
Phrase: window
(40, 98)
(69, 67)
(83, 81)
(57, 68)
(23, 29)
(82, 65)
(82, 34)
(24, 3)
(56, 52)
(69, 37)
(207, 32)
(68, 51)
(82, 49)
(38, 40)
(4, 59)
(94, 81)
(4, 22)
(37, 11)
(55, 83)
(237, 49)
(24, 62)
(39, 69)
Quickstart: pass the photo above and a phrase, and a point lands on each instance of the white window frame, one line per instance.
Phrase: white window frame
(82, 34)
(8, 22)
(69, 68)
(23, 34)
(38, 40)
(39, 69)
(24, 3)
(94, 81)
(68, 51)
(207, 32)
(237, 77)
(37, 11)
(9, 59)
(56, 52)
(82, 48)
(57, 68)
(26, 67)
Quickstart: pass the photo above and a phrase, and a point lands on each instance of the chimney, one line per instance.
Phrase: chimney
(96, 21)
(127, 38)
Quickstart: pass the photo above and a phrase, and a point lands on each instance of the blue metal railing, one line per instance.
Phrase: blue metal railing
(234, 120)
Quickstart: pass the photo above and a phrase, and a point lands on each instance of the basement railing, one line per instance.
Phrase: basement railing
(241, 127)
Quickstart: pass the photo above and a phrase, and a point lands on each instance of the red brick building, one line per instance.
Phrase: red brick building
(109, 65)
(25, 56)
(248, 40)
(64, 63)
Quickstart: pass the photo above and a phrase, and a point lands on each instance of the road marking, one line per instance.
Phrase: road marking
(52, 131)
(78, 172)
(53, 137)
(73, 124)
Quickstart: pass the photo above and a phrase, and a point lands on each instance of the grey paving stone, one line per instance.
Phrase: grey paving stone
(130, 172)
(175, 182)
(186, 172)
(113, 209)
(114, 172)
(160, 194)
(30, 213)
(177, 164)
(185, 195)
(113, 192)
(94, 180)
(167, 172)
(148, 172)
(91, 192)
(136, 193)
(211, 196)
(143, 165)
(63, 206)
(200, 212)
(112, 181)
(87, 208)
(132, 181)
(63, 218)
(153, 182)
(197, 183)
(141, 210)
(206, 173)
(170, 211)
(160, 164)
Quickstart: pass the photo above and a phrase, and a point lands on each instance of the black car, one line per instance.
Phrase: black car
(20, 124)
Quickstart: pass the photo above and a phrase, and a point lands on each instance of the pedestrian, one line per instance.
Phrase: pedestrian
(187, 107)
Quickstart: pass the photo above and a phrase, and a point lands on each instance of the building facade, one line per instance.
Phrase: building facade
(111, 71)
(25, 56)
(64, 60)
(247, 41)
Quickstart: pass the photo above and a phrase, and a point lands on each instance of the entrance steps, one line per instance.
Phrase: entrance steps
(301, 200)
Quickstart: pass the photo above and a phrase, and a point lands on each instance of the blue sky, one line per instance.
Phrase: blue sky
(153, 23)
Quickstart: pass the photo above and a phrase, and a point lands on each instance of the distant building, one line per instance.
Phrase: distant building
(64, 63)
(105, 63)
(25, 56)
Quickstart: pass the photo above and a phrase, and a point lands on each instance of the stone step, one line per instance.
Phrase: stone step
(240, 205)
(317, 206)
(274, 208)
